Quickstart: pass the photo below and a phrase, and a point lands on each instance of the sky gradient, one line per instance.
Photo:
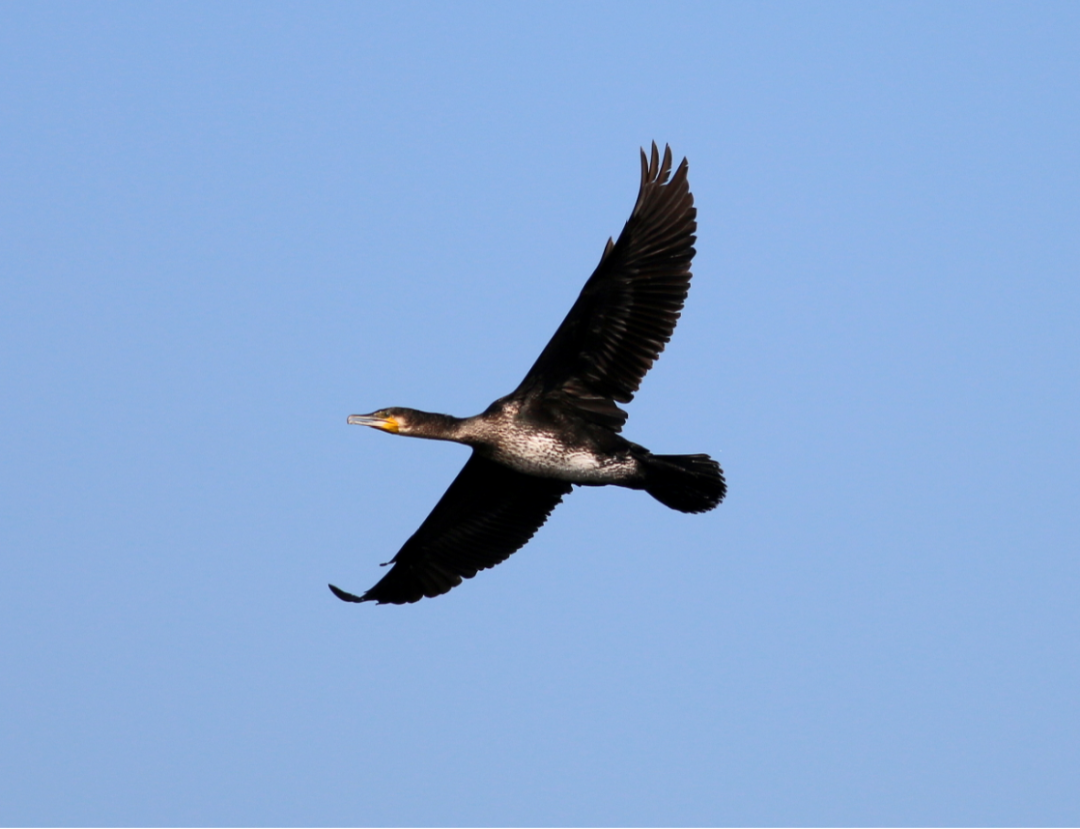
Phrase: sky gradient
(227, 227)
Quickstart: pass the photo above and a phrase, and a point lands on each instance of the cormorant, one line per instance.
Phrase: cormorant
(561, 426)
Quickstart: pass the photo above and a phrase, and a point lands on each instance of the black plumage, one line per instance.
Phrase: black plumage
(561, 425)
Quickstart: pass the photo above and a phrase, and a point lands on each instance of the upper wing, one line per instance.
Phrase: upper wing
(628, 308)
(488, 512)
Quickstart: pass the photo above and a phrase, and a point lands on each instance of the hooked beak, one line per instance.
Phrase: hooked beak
(387, 424)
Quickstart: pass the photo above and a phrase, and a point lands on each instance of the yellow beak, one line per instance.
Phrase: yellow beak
(387, 424)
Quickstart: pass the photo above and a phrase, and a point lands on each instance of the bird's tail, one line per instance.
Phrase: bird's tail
(688, 483)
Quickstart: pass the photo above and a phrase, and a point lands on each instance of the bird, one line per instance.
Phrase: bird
(561, 426)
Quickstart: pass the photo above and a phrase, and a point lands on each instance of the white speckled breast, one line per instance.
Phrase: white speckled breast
(543, 454)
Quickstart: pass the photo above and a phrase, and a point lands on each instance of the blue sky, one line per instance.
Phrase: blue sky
(227, 227)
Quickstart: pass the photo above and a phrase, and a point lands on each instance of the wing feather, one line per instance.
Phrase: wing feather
(489, 512)
(628, 309)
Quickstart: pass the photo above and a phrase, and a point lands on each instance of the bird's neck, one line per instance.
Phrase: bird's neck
(435, 426)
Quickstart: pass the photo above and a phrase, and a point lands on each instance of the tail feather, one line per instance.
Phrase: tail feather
(688, 483)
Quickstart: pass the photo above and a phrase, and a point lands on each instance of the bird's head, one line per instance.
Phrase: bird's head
(395, 420)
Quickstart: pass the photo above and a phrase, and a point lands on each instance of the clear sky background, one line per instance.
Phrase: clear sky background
(226, 228)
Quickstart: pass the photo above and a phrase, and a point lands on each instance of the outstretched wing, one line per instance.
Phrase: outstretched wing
(627, 310)
(488, 512)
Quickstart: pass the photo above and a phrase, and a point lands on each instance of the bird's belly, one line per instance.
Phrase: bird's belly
(547, 457)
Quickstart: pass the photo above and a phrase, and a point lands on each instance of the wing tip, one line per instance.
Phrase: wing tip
(346, 597)
(657, 173)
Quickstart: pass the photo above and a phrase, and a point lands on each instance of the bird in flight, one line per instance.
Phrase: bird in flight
(561, 425)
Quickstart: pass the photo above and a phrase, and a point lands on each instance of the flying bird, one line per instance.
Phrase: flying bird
(561, 425)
